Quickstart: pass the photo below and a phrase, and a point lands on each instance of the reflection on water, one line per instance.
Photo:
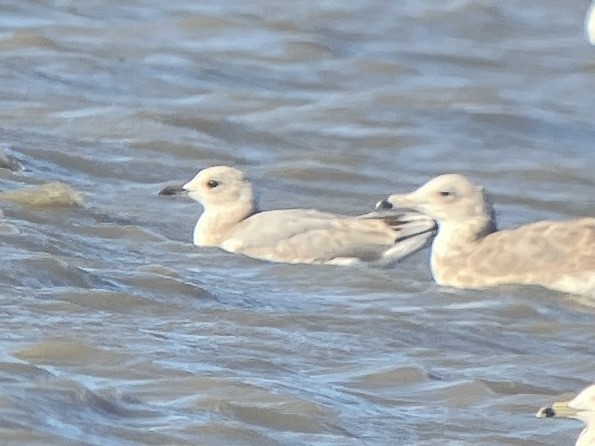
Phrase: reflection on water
(116, 330)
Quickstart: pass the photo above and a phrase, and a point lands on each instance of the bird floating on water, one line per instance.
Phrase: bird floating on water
(231, 221)
(582, 408)
(469, 252)
(590, 24)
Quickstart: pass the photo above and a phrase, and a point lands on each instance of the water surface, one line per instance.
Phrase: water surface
(117, 331)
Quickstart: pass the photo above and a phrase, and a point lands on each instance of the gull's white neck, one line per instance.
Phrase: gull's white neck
(216, 222)
(586, 438)
(456, 238)
(455, 235)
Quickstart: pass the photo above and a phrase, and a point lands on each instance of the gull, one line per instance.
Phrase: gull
(582, 408)
(469, 252)
(590, 24)
(232, 222)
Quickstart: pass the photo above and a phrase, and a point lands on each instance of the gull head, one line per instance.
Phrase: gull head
(220, 187)
(450, 197)
(580, 408)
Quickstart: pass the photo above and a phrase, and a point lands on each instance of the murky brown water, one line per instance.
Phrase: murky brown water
(115, 330)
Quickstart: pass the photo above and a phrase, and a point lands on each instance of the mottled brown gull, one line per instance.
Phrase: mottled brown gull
(231, 221)
(582, 408)
(469, 252)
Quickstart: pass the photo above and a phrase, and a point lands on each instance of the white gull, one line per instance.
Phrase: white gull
(590, 24)
(231, 221)
(582, 408)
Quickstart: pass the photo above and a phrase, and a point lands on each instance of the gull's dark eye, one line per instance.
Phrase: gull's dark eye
(446, 193)
(212, 183)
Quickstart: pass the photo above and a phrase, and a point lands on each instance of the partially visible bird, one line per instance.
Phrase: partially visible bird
(582, 408)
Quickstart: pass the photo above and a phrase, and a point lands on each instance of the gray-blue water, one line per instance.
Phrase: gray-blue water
(115, 330)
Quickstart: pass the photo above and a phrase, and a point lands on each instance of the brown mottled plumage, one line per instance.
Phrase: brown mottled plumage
(469, 252)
